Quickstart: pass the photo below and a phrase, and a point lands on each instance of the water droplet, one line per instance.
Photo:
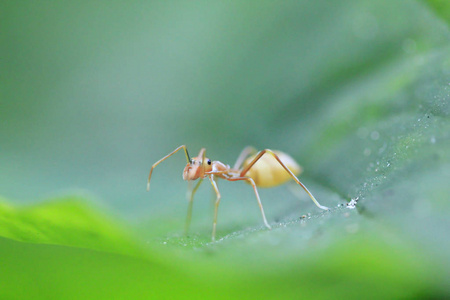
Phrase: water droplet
(432, 140)
(352, 203)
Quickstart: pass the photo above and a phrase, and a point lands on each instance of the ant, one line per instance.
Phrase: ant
(267, 173)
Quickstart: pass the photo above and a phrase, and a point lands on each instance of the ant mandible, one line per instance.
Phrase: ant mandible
(267, 173)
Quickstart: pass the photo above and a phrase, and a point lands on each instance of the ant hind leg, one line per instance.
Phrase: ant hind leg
(261, 153)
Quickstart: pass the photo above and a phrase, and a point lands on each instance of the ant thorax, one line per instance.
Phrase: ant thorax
(218, 166)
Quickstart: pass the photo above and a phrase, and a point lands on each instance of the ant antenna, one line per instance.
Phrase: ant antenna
(187, 155)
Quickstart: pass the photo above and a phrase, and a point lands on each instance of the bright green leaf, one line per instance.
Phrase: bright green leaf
(357, 92)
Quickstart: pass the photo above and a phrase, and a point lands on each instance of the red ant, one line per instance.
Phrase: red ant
(267, 173)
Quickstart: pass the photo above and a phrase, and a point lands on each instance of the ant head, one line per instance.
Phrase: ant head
(197, 167)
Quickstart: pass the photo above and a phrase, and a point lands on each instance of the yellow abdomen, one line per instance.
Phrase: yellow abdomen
(268, 172)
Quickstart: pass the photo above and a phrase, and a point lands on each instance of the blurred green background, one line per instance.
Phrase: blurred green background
(93, 93)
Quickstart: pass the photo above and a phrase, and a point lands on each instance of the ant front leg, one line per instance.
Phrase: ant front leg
(164, 158)
(191, 202)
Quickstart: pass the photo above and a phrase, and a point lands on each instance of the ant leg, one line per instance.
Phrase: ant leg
(245, 152)
(261, 153)
(216, 206)
(164, 158)
(213, 199)
(250, 180)
(191, 202)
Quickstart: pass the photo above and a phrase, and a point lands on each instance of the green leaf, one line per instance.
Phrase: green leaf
(69, 221)
(441, 8)
(391, 268)
(357, 91)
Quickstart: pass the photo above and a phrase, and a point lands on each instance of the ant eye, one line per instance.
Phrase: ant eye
(192, 161)
(209, 161)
